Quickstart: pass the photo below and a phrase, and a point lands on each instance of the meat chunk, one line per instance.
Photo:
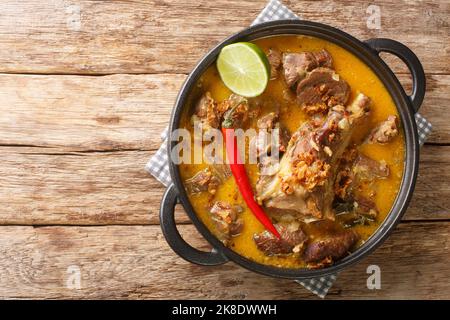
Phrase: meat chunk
(385, 132)
(360, 106)
(268, 121)
(206, 112)
(303, 185)
(203, 180)
(322, 89)
(357, 171)
(274, 58)
(331, 247)
(292, 240)
(232, 112)
(297, 65)
(226, 220)
(357, 211)
(236, 112)
(344, 183)
(270, 135)
(365, 207)
(368, 169)
(221, 170)
(204, 104)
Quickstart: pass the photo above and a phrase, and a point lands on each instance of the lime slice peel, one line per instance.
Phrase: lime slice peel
(244, 68)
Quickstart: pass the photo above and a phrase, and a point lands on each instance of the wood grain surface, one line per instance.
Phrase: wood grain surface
(170, 36)
(87, 87)
(135, 262)
(116, 112)
(39, 187)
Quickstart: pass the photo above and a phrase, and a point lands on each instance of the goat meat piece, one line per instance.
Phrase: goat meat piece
(303, 182)
(226, 220)
(292, 240)
(366, 168)
(267, 121)
(366, 207)
(385, 131)
(203, 180)
(322, 89)
(358, 211)
(237, 112)
(206, 111)
(274, 58)
(297, 65)
(267, 138)
(221, 170)
(343, 183)
(332, 246)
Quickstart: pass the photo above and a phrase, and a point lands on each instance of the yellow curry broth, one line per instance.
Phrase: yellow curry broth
(361, 79)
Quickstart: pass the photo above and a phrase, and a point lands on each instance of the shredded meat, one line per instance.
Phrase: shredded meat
(385, 132)
(292, 240)
(297, 65)
(322, 89)
(226, 220)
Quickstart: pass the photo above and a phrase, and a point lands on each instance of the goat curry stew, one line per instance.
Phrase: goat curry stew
(341, 156)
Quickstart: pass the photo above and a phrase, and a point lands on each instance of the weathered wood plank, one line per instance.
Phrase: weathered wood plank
(117, 112)
(96, 188)
(434, 105)
(128, 261)
(155, 36)
(86, 113)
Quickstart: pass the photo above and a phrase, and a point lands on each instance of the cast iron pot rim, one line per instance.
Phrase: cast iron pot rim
(404, 107)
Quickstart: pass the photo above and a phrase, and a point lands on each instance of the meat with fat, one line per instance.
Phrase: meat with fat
(292, 240)
(226, 220)
(297, 65)
(270, 136)
(366, 168)
(274, 57)
(203, 180)
(330, 247)
(321, 89)
(385, 131)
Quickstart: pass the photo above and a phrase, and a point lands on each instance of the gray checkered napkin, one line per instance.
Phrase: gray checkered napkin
(158, 164)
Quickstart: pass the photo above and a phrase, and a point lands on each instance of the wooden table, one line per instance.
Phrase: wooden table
(86, 87)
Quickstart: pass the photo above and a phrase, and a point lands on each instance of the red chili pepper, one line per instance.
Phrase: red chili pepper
(240, 175)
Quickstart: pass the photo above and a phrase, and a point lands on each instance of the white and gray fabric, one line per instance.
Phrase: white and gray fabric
(158, 166)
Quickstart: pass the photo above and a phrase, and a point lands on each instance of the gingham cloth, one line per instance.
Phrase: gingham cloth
(159, 168)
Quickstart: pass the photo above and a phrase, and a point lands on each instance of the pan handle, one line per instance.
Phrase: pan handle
(410, 59)
(174, 239)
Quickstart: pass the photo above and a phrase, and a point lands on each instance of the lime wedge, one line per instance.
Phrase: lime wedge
(244, 68)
